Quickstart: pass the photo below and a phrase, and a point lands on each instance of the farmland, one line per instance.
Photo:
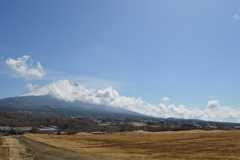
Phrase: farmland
(2, 149)
(146, 145)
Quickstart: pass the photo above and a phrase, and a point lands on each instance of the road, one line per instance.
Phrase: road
(41, 151)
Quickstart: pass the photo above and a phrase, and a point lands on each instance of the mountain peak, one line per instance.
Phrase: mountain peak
(61, 89)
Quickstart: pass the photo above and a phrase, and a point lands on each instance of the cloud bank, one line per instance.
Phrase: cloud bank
(70, 91)
(23, 67)
(213, 111)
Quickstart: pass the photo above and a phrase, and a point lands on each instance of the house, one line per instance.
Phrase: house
(20, 130)
(5, 128)
(98, 132)
(47, 129)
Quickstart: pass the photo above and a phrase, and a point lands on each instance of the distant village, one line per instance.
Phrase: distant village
(19, 122)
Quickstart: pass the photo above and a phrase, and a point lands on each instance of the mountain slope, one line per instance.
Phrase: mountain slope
(63, 89)
(68, 96)
(50, 104)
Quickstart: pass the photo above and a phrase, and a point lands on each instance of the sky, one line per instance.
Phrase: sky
(179, 56)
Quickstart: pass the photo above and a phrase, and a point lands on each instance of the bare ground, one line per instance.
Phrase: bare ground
(46, 152)
(22, 148)
(16, 151)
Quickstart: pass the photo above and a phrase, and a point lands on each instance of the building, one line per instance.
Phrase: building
(47, 129)
(98, 132)
(5, 128)
(20, 130)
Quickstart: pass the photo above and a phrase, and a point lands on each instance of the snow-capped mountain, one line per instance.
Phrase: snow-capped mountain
(67, 90)
(66, 87)
(68, 95)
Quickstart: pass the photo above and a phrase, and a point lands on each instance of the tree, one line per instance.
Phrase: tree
(34, 130)
(58, 133)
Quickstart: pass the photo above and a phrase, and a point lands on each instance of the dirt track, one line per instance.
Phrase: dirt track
(46, 152)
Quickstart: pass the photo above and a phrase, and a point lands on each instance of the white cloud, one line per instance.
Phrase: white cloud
(22, 68)
(213, 112)
(65, 91)
(213, 104)
(236, 17)
(224, 114)
(31, 86)
(165, 99)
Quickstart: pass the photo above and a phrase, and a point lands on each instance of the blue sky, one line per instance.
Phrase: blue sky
(185, 50)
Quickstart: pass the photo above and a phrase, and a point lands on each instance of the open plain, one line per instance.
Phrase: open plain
(2, 149)
(144, 145)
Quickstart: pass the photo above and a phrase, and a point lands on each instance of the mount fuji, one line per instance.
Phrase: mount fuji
(67, 96)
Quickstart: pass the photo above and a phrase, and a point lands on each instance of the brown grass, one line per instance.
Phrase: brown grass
(164, 145)
(1, 143)
(2, 150)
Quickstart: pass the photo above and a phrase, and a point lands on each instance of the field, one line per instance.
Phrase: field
(3, 150)
(145, 145)
(1, 143)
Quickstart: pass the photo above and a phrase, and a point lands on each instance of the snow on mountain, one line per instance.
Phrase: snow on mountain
(70, 91)
(67, 90)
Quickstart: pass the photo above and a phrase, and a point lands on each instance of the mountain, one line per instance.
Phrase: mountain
(63, 90)
(63, 96)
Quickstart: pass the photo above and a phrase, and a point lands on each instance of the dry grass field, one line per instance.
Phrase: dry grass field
(2, 150)
(1, 143)
(145, 145)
